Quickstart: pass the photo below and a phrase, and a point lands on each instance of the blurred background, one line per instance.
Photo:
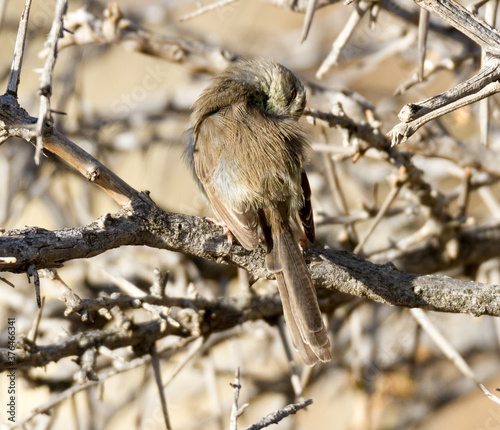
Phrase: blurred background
(129, 110)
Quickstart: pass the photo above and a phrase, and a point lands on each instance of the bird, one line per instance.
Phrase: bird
(247, 150)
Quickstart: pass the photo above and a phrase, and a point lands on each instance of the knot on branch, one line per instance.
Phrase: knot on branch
(94, 174)
(45, 91)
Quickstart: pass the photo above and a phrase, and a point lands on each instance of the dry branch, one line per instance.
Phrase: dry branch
(367, 136)
(482, 85)
(146, 224)
(16, 122)
(17, 61)
(114, 28)
(194, 318)
(334, 270)
(340, 276)
(276, 416)
(44, 120)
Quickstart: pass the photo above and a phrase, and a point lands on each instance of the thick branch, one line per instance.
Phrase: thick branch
(334, 270)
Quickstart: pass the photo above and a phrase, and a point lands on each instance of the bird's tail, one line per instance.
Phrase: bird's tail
(300, 304)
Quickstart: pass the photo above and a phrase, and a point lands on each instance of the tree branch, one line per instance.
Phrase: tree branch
(188, 318)
(114, 28)
(334, 270)
(16, 122)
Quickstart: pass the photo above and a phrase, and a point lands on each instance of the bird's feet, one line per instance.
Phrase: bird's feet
(225, 228)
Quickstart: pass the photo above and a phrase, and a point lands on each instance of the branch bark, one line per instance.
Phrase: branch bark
(334, 270)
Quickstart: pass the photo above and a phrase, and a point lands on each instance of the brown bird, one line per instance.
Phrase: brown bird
(247, 149)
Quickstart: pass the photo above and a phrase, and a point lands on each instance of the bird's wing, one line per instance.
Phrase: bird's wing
(206, 157)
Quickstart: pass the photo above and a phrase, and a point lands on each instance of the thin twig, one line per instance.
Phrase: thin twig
(277, 416)
(70, 392)
(381, 213)
(207, 8)
(423, 29)
(484, 110)
(338, 194)
(155, 361)
(44, 121)
(331, 60)
(449, 351)
(236, 411)
(294, 372)
(17, 61)
(33, 333)
(311, 8)
(431, 68)
(193, 351)
(334, 184)
(114, 28)
(160, 280)
(31, 271)
(209, 372)
(10, 284)
(463, 198)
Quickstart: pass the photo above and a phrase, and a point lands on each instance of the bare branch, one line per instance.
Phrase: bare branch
(311, 8)
(44, 122)
(70, 392)
(373, 138)
(114, 28)
(236, 411)
(279, 415)
(335, 270)
(403, 131)
(17, 61)
(331, 60)
(207, 8)
(423, 29)
(17, 122)
(463, 20)
(155, 361)
(464, 154)
(450, 352)
(381, 213)
(480, 86)
(489, 73)
(209, 316)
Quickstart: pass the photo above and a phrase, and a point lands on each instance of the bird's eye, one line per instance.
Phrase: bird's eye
(293, 94)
